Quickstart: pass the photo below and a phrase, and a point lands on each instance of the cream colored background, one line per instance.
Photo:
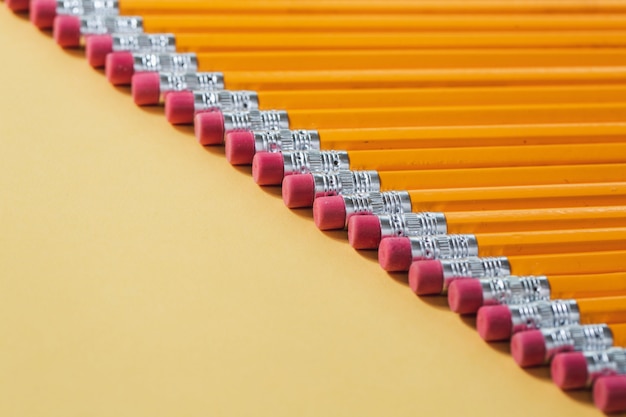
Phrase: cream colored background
(142, 275)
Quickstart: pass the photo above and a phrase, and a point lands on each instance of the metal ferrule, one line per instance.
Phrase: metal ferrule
(515, 290)
(607, 362)
(102, 24)
(443, 247)
(305, 162)
(87, 7)
(286, 140)
(225, 100)
(256, 120)
(474, 267)
(345, 182)
(577, 338)
(388, 202)
(412, 224)
(144, 42)
(542, 314)
(155, 62)
(190, 81)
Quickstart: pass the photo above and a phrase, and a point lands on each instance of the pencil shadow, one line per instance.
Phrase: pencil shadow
(122, 89)
(22, 16)
(338, 235)
(304, 212)
(500, 347)
(539, 372)
(272, 190)
(78, 53)
(187, 130)
(47, 32)
(213, 150)
(581, 396)
(467, 319)
(156, 110)
(369, 255)
(436, 301)
(244, 170)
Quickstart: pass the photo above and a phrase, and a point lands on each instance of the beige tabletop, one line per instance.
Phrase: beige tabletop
(142, 275)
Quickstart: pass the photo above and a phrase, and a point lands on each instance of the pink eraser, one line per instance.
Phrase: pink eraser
(395, 254)
(268, 168)
(364, 232)
(298, 191)
(42, 13)
(609, 393)
(119, 68)
(426, 277)
(494, 323)
(97, 47)
(146, 88)
(209, 127)
(179, 107)
(465, 296)
(239, 147)
(569, 370)
(66, 31)
(329, 212)
(18, 5)
(528, 348)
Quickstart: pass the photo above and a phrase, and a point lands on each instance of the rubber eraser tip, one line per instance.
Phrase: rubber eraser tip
(609, 393)
(426, 277)
(465, 296)
(298, 191)
(97, 47)
(146, 88)
(209, 128)
(66, 31)
(364, 231)
(329, 212)
(268, 168)
(569, 370)
(395, 254)
(119, 68)
(528, 348)
(18, 5)
(179, 107)
(494, 323)
(239, 147)
(42, 13)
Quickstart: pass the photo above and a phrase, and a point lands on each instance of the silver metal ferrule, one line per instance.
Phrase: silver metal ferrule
(144, 42)
(474, 267)
(607, 362)
(87, 7)
(155, 62)
(388, 202)
(305, 162)
(577, 338)
(225, 100)
(345, 182)
(190, 81)
(443, 247)
(412, 224)
(286, 140)
(542, 314)
(256, 120)
(96, 24)
(515, 290)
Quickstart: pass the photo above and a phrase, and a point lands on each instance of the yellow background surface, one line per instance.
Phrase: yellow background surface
(142, 275)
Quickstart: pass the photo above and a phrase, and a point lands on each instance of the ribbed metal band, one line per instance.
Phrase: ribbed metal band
(376, 203)
(474, 267)
(286, 140)
(154, 62)
(443, 247)
(412, 224)
(515, 290)
(144, 42)
(576, 337)
(256, 120)
(611, 361)
(304, 162)
(102, 24)
(225, 100)
(87, 7)
(542, 314)
(345, 182)
(190, 81)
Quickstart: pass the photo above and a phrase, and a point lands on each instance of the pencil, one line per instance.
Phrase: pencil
(121, 66)
(210, 127)
(181, 106)
(241, 146)
(396, 254)
(302, 190)
(271, 168)
(334, 212)
(538, 346)
(466, 296)
(367, 231)
(500, 322)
